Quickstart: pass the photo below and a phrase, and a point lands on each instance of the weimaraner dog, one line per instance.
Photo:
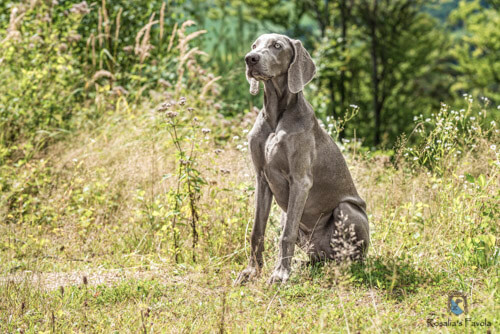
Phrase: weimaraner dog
(296, 162)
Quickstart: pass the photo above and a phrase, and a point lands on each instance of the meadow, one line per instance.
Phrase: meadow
(129, 207)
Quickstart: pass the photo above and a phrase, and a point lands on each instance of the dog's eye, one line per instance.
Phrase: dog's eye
(254, 46)
(277, 45)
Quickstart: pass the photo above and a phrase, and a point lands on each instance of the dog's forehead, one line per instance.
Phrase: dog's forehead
(271, 37)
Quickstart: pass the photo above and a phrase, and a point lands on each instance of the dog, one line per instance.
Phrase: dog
(296, 162)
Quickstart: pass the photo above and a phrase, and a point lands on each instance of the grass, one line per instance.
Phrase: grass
(96, 209)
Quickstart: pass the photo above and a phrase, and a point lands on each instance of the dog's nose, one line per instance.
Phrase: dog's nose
(252, 58)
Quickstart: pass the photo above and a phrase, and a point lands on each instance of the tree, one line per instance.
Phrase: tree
(477, 49)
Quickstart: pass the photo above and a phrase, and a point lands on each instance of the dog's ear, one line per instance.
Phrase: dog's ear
(254, 85)
(302, 68)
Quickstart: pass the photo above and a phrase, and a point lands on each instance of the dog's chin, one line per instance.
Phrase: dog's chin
(258, 76)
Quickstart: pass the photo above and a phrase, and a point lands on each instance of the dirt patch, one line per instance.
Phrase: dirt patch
(54, 280)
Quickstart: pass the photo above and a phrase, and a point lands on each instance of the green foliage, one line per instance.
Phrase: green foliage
(447, 135)
(39, 78)
(477, 50)
(386, 60)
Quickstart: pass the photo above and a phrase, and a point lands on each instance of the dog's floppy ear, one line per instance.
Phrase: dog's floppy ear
(302, 68)
(254, 85)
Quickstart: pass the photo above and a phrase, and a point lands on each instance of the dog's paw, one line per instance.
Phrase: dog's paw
(246, 275)
(279, 275)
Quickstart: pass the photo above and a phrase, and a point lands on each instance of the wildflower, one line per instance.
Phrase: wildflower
(236, 138)
(217, 106)
(472, 118)
(218, 151)
(239, 147)
(427, 119)
(205, 130)
(353, 106)
(225, 171)
(493, 147)
(164, 106)
(182, 101)
(171, 114)
(415, 118)
(245, 131)
(415, 158)
(190, 109)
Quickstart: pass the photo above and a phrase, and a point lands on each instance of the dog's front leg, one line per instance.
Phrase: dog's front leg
(299, 190)
(263, 199)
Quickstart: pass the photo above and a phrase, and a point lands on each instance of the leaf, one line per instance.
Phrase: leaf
(481, 181)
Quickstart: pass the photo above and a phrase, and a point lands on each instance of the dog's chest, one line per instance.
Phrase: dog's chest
(276, 169)
(275, 151)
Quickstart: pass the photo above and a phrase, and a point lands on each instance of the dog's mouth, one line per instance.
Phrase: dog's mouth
(252, 73)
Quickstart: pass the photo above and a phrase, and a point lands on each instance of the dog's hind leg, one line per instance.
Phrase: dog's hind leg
(349, 214)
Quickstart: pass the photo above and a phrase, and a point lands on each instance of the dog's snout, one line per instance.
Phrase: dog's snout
(252, 58)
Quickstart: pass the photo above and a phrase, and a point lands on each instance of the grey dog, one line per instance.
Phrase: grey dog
(296, 162)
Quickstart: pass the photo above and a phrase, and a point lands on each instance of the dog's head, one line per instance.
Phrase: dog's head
(273, 55)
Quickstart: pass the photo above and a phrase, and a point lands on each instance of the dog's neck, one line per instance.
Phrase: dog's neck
(277, 99)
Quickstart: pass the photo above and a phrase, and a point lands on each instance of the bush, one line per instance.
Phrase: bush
(40, 79)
